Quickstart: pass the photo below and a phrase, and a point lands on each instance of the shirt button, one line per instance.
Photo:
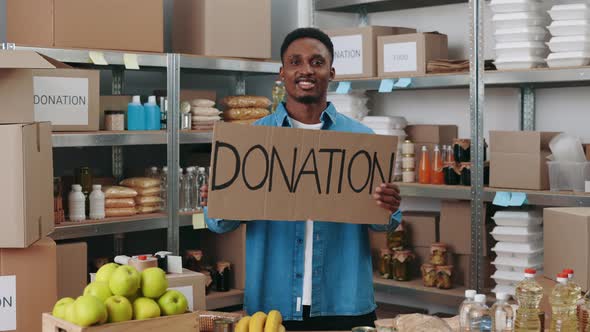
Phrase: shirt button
(299, 241)
(298, 275)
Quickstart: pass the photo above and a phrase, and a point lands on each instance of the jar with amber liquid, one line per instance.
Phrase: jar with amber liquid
(401, 264)
(428, 275)
(385, 264)
(444, 275)
(396, 238)
(438, 254)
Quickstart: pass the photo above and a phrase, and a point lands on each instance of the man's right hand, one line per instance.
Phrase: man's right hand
(204, 195)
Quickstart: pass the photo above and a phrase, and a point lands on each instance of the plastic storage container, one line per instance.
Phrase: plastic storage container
(568, 175)
(518, 218)
(520, 49)
(523, 34)
(516, 268)
(506, 260)
(517, 234)
(577, 11)
(569, 28)
(569, 44)
(524, 62)
(568, 59)
(511, 6)
(507, 278)
(519, 20)
(519, 250)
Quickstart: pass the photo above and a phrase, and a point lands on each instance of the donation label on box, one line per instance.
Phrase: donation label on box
(348, 54)
(61, 100)
(275, 173)
(7, 303)
(400, 57)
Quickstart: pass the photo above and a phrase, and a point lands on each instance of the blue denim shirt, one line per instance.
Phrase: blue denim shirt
(342, 277)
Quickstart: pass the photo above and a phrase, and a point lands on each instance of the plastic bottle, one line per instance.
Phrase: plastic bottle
(464, 309)
(152, 114)
(424, 169)
(186, 190)
(479, 315)
(77, 203)
(152, 172)
(164, 187)
(437, 176)
(583, 314)
(502, 314)
(202, 179)
(573, 285)
(135, 115)
(97, 203)
(528, 294)
(563, 306)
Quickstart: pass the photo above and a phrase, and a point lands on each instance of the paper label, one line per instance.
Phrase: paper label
(8, 303)
(348, 54)
(61, 100)
(187, 291)
(400, 57)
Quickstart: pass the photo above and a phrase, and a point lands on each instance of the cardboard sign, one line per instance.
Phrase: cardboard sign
(348, 54)
(61, 100)
(400, 57)
(274, 173)
(8, 303)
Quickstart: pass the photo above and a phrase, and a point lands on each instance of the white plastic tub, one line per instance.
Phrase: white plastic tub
(509, 260)
(512, 63)
(524, 34)
(516, 268)
(565, 175)
(517, 234)
(520, 49)
(518, 218)
(569, 28)
(508, 278)
(519, 20)
(511, 6)
(577, 11)
(568, 59)
(570, 44)
(521, 251)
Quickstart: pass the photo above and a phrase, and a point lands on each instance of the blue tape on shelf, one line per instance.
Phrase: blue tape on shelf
(403, 83)
(343, 88)
(517, 199)
(386, 85)
(502, 198)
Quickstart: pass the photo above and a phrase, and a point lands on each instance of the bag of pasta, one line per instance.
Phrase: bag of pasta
(141, 182)
(118, 192)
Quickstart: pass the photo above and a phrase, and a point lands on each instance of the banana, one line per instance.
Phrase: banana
(282, 329)
(243, 324)
(273, 321)
(257, 322)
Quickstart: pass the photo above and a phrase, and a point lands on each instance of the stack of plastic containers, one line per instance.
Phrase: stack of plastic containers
(520, 246)
(519, 31)
(570, 45)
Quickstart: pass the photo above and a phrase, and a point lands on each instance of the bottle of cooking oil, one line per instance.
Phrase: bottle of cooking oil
(528, 294)
(573, 285)
(583, 313)
(563, 306)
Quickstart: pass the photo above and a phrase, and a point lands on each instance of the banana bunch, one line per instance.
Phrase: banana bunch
(260, 322)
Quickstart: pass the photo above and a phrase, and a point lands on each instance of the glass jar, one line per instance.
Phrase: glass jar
(452, 174)
(462, 150)
(408, 148)
(385, 264)
(114, 120)
(223, 277)
(438, 254)
(428, 275)
(400, 264)
(194, 260)
(465, 174)
(444, 275)
(396, 238)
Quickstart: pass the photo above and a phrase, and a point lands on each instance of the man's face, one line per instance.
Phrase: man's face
(307, 70)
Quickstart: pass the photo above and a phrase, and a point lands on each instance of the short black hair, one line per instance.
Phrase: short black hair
(313, 33)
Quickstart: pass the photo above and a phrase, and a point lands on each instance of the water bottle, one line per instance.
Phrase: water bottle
(97, 210)
(467, 304)
(479, 315)
(77, 203)
(502, 314)
(135, 115)
(202, 179)
(152, 114)
(186, 191)
(164, 187)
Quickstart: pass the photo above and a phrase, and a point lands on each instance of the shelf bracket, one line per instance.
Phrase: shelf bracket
(527, 108)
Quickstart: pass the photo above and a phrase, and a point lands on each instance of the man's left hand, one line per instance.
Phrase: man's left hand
(388, 197)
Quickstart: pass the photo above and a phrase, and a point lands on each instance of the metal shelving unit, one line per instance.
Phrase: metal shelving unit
(354, 6)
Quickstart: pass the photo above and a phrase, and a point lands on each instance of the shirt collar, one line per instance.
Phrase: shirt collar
(328, 116)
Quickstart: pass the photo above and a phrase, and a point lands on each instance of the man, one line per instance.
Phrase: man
(317, 274)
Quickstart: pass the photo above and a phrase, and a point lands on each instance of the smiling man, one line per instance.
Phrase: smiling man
(317, 274)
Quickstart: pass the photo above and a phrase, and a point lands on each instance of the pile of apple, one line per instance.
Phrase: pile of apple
(120, 293)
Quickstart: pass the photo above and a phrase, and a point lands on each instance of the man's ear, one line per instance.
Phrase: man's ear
(281, 74)
(332, 73)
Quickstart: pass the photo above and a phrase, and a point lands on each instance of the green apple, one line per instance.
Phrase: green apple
(70, 313)
(153, 282)
(119, 309)
(105, 272)
(145, 308)
(89, 310)
(125, 281)
(59, 309)
(173, 302)
(98, 289)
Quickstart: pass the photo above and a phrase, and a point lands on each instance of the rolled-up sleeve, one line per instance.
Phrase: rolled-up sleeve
(394, 221)
(220, 225)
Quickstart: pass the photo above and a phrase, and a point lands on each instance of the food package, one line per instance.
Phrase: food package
(202, 103)
(246, 122)
(142, 209)
(246, 101)
(205, 111)
(141, 183)
(148, 200)
(118, 192)
(245, 113)
(120, 212)
(199, 118)
(420, 323)
(185, 107)
(152, 191)
(119, 203)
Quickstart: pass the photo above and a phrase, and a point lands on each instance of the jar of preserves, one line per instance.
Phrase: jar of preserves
(396, 238)
(465, 174)
(428, 275)
(400, 264)
(438, 254)
(385, 263)
(223, 277)
(444, 275)
(408, 148)
(462, 150)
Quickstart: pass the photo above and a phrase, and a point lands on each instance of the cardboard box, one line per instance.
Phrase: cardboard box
(421, 228)
(528, 150)
(130, 25)
(422, 256)
(462, 267)
(566, 238)
(228, 247)
(192, 284)
(28, 285)
(26, 174)
(37, 88)
(455, 227)
(407, 55)
(72, 269)
(587, 151)
(113, 103)
(29, 22)
(323, 186)
(355, 49)
(432, 134)
(545, 306)
(229, 28)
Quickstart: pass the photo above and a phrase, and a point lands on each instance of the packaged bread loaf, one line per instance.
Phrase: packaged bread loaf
(141, 182)
(141, 209)
(205, 111)
(245, 113)
(152, 191)
(118, 192)
(246, 101)
(119, 203)
(147, 200)
(203, 103)
(211, 118)
(120, 212)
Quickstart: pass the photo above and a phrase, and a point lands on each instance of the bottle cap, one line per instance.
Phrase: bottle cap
(136, 100)
(76, 187)
(568, 271)
(436, 148)
(142, 258)
(201, 169)
(502, 296)
(154, 169)
(470, 293)
(96, 187)
(165, 169)
(530, 271)
(424, 148)
(562, 275)
(480, 298)
(151, 99)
